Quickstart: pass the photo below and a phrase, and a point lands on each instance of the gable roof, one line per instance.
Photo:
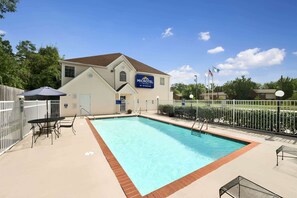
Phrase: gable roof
(76, 79)
(125, 87)
(106, 59)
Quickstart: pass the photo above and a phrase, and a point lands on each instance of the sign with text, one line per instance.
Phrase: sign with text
(118, 102)
(144, 81)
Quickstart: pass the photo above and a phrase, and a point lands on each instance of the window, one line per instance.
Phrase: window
(123, 76)
(69, 71)
(162, 81)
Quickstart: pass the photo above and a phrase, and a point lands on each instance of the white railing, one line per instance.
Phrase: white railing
(14, 117)
(265, 115)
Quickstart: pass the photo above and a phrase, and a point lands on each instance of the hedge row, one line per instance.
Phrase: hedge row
(248, 118)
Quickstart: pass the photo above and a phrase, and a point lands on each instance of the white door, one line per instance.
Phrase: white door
(123, 103)
(85, 104)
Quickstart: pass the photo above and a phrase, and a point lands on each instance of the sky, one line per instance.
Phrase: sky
(255, 38)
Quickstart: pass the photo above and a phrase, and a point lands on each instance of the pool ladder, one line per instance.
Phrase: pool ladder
(204, 122)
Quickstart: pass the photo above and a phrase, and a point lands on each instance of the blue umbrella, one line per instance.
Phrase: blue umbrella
(46, 92)
(43, 91)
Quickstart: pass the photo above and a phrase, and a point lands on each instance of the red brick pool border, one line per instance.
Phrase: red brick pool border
(131, 191)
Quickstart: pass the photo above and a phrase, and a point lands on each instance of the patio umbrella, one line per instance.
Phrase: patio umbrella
(44, 92)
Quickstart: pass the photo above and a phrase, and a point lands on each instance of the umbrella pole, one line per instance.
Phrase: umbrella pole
(47, 117)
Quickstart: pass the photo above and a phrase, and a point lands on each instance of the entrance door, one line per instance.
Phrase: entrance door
(85, 104)
(123, 103)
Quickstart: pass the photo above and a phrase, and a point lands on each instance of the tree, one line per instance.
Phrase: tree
(270, 85)
(240, 88)
(25, 50)
(44, 68)
(7, 6)
(186, 90)
(10, 73)
(287, 85)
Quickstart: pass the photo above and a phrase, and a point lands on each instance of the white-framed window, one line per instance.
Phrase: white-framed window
(123, 76)
(162, 81)
(69, 71)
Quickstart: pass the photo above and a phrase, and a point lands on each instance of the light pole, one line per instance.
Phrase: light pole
(278, 95)
(196, 79)
(191, 97)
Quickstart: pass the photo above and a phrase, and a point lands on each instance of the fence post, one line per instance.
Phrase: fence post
(233, 111)
(196, 109)
(21, 101)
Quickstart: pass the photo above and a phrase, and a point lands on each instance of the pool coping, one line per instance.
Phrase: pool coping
(130, 189)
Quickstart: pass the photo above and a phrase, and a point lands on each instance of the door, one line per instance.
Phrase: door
(85, 104)
(123, 103)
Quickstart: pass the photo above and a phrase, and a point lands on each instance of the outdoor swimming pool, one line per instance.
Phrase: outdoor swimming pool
(154, 153)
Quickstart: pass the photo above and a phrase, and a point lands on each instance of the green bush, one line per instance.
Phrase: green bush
(259, 119)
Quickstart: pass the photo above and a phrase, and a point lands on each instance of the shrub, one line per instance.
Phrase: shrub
(259, 119)
(129, 111)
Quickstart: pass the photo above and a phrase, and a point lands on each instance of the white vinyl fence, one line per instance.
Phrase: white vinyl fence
(265, 115)
(14, 117)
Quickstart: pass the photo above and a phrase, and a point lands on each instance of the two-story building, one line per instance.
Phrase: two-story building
(111, 83)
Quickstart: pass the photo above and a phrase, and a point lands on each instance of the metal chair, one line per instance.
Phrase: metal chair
(241, 187)
(285, 149)
(65, 124)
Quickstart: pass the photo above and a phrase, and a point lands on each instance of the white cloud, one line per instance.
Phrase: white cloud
(205, 36)
(167, 33)
(184, 74)
(295, 53)
(216, 50)
(2, 32)
(254, 58)
(233, 73)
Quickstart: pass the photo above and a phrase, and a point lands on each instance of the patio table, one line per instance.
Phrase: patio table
(42, 121)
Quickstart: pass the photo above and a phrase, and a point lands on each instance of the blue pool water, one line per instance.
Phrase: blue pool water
(154, 153)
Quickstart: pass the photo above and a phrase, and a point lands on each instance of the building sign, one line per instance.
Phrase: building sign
(118, 102)
(144, 81)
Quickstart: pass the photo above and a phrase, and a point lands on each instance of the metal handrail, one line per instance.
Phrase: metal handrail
(89, 114)
(197, 120)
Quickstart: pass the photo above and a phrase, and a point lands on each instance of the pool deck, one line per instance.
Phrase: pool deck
(75, 166)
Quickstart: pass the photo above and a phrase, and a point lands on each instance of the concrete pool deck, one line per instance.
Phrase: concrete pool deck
(74, 166)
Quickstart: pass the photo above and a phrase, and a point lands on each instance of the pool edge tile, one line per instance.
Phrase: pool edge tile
(131, 191)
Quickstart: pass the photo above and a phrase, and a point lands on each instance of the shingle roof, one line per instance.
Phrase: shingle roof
(106, 59)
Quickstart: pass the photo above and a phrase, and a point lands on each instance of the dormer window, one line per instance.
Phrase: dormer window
(69, 71)
(123, 76)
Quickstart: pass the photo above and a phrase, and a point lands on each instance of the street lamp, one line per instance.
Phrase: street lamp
(196, 79)
(191, 97)
(278, 94)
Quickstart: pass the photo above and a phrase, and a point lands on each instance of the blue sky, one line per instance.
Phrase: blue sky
(256, 38)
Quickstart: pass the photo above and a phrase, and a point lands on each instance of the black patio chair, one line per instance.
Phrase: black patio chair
(68, 124)
(285, 149)
(241, 187)
(50, 128)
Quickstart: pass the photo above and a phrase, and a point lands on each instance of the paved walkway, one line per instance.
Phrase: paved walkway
(76, 167)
